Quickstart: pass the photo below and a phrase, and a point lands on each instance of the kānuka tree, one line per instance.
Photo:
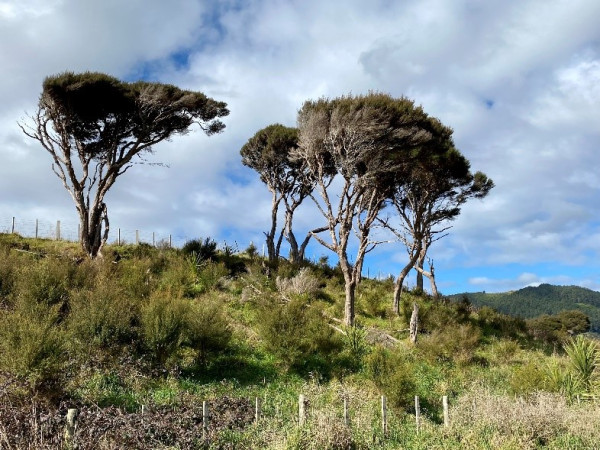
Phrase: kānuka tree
(358, 149)
(268, 153)
(427, 200)
(94, 126)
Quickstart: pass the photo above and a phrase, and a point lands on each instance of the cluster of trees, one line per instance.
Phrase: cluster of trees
(365, 161)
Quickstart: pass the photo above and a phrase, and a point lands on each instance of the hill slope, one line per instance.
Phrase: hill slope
(531, 302)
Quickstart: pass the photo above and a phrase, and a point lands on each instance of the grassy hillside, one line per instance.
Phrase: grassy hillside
(168, 329)
(531, 302)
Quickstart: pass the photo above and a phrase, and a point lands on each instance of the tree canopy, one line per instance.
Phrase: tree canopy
(426, 200)
(94, 125)
(369, 143)
(268, 153)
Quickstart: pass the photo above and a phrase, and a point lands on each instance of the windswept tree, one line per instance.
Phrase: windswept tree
(94, 126)
(427, 200)
(268, 153)
(370, 142)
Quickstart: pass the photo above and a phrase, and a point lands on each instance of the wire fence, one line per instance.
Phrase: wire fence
(69, 231)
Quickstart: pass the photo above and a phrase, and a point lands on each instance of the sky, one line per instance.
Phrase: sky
(518, 81)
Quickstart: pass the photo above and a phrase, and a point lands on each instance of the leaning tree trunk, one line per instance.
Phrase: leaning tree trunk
(431, 276)
(400, 280)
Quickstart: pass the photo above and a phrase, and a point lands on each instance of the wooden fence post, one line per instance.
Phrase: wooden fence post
(205, 418)
(301, 410)
(446, 414)
(153, 244)
(384, 424)
(170, 242)
(257, 410)
(36, 228)
(71, 425)
(417, 413)
(12, 229)
(137, 237)
(118, 236)
(58, 230)
(346, 415)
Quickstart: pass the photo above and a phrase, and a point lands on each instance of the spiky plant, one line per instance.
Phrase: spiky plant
(584, 358)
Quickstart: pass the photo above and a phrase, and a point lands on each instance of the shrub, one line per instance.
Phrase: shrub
(452, 343)
(558, 327)
(8, 271)
(137, 277)
(303, 283)
(163, 322)
(584, 358)
(31, 346)
(46, 281)
(297, 334)
(103, 316)
(527, 379)
(374, 299)
(206, 329)
(496, 324)
(209, 277)
(393, 375)
(202, 250)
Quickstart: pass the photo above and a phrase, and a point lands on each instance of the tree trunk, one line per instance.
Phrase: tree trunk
(419, 269)
(414, 323)
(349, 303)
(431, 276)
(400, 280)
(92, 238)
(270, 236)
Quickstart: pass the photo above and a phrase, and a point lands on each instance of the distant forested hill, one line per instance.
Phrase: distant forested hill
(531, 302)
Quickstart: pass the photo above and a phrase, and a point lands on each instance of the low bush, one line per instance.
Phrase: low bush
(392, 374)
(103, 316)
(163, 324)
(453, 343)
(207, 330)
(303, 283)
(298, 334)
(201, 250)
(32, 347)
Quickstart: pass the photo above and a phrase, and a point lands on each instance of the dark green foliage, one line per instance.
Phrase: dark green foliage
(493, 323)
(203, 250)
(531, 302)
(558, 327)
(142, 110)
(94, 126)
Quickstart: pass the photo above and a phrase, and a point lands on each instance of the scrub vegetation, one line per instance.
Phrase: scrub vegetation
(170, 328)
